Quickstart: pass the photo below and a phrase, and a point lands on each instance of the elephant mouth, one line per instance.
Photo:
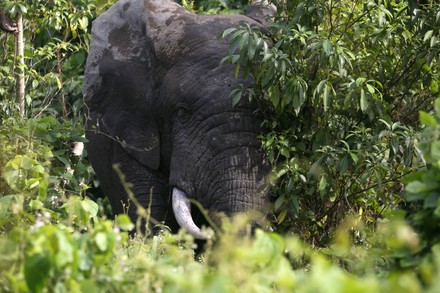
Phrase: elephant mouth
(182, 213)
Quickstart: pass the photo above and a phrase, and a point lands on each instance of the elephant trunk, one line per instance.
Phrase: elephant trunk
(240, 184)
(242, 195)
(239, 188)
(182, 212)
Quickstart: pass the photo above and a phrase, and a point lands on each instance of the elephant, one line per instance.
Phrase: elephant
(158, 106)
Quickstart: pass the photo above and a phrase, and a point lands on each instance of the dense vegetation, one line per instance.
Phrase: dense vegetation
(348, 89)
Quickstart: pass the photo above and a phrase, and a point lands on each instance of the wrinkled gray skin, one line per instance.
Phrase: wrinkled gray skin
(159, 106)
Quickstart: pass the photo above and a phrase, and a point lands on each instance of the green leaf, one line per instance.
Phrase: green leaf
(274, 96)
(280, 200)
(36, 271)
(228, 31)
(89, 286)
(427, 119)
(36, 204)
(437, 209)
(428, 35)
(370, 88)
(123, 221)
(281, 216)
(10, 204)
(364, 101)
(343, 165)
(433, 41)
(285, 152)
(434, 87)
(83, 22)
(65, 251)
(90, 207)
(354, 157)
(59, 84)
(322, 183)
(32, 183)
(299, 97)
(26, 163)
(437, 107)
(327, 46)
(360, 81)
(421, 187)
(253, 46)
(23, 9)
(435, 150)
(237, 70)
(101, 241)
(236, 97)
(431, 200)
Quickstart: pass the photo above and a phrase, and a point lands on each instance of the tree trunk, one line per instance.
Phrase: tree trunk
(19, 53)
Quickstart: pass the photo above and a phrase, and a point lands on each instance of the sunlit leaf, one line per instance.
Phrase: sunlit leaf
(322, 183)
(101, 241)
(90, 207)
(123, 221)
(281, 216)
(427, 119)
(428, 35)
(65, 251)
(370, 88)
(360, 81)
(364, 101)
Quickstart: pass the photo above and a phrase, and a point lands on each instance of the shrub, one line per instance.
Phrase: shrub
(39, 170)
(340, 84)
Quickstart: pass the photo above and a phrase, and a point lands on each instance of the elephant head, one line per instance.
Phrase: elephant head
(158, 104)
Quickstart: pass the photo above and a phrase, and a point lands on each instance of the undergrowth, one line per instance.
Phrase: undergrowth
(71, 247)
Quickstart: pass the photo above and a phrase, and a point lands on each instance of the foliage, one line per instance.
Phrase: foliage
(51, 258)
(423, 187)
(56, 34)
(340, 83)
(41, 177)
(67, 248)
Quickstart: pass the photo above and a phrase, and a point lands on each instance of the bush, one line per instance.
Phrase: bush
(423, 187)
(39, 170)
(57, 36)
(340, 84)
(51, 258)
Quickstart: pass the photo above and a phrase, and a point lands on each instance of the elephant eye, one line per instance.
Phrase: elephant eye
(183, 114)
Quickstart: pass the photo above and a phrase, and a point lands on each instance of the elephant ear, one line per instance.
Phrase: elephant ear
(119, 82)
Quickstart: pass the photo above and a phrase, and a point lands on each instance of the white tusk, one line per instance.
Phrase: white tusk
(182, 212)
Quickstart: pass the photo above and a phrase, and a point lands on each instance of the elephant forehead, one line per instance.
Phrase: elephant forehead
(199, 87)
(175, 31)
(166, 22)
